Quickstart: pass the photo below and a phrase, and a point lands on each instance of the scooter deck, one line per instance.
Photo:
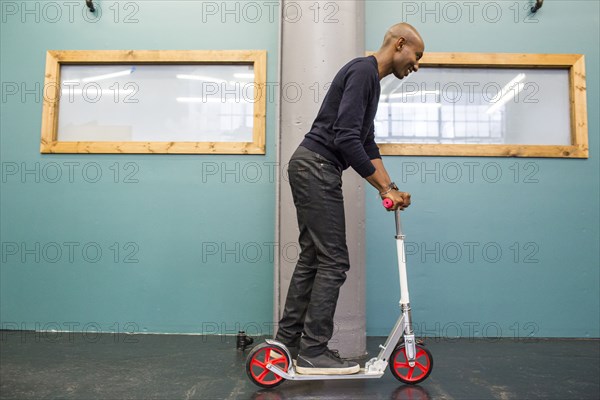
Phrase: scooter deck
(294, 376)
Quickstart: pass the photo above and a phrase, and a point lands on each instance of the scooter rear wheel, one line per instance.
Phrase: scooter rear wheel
(256, 365)
(404, 372)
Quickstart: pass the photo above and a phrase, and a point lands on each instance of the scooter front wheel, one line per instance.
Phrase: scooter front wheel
(404, 372)
(256, 365)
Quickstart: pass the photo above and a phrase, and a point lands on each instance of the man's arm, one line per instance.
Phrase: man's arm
(381, 181)
(358, 92)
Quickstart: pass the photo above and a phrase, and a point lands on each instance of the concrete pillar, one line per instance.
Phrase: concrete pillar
(315, 43)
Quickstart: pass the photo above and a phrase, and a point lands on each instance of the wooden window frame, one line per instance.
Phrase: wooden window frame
(574, 63)
(56, 58)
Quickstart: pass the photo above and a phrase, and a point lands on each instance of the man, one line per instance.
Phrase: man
(342, 135)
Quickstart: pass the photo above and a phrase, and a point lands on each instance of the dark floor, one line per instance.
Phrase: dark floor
(73, 366)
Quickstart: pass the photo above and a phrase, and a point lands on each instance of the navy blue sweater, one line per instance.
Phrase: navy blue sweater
(343, 129)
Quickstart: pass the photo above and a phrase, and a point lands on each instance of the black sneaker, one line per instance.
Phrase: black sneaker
(328, 363)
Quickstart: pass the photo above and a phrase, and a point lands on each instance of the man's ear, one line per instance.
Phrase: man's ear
(400, 42)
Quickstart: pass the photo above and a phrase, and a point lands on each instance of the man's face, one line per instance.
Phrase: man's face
(406, 60)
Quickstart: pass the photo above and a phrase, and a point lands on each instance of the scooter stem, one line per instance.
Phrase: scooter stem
(404, 296)
(406, 320)
(398, 225)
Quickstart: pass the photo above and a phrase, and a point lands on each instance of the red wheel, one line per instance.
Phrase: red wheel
(404, 372)
(256, 365)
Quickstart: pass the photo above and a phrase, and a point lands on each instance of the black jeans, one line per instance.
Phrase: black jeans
(312, 297)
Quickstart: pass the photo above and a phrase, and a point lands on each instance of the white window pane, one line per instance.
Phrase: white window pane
(156, 103)
(502, 105)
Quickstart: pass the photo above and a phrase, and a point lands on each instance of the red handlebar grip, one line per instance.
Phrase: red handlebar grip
(388, 203)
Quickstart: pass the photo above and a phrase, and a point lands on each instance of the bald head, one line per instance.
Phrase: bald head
(401, 30)
(400, 52)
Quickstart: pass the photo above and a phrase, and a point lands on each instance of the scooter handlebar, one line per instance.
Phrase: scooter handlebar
(388, 203)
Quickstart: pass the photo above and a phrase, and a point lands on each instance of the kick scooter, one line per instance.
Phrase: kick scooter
(270, 363)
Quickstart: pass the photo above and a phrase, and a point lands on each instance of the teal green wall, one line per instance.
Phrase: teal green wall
(551, 286)
(177, 220)
(175, 210)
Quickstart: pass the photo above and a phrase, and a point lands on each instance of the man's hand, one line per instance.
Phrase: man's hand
(401, 199)
(381, 181)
